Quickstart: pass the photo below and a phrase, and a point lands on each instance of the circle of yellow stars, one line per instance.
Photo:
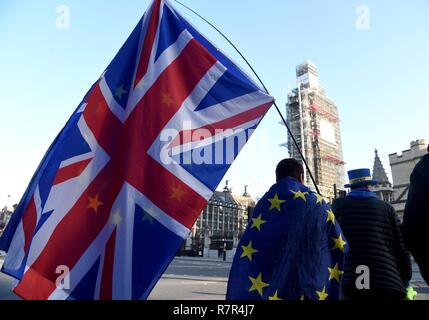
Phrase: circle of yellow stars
(257, 284)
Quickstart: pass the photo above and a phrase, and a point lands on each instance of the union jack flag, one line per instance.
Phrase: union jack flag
(120, 188)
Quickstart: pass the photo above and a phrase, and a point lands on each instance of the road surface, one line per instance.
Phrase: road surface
(197, 279)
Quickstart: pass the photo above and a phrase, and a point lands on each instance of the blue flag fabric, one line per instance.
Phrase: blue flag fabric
(292, 249)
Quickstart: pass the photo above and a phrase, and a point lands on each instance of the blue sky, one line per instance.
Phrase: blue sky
(377, 76)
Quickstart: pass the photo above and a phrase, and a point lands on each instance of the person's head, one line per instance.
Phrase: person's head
(290, 168)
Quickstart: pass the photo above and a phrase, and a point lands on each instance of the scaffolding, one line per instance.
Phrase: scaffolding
(315, 123)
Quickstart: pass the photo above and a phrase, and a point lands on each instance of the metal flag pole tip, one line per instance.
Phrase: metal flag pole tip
(263, 85)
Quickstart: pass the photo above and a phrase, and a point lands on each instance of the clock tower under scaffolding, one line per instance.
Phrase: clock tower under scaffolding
(314, 121)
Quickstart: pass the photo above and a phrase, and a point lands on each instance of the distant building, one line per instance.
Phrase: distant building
(222, 221)
(314, 121)
(5, 215)
(402, 165)
(383, 189)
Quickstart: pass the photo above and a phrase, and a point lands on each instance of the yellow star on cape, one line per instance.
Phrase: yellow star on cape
(275, 296)
(300, 194)
(276, 202)
(116, 218)
(302, 298)
(257, 222)
(339, 243)
(248, 251)
(177, 193)
(322, 294)
(94, 203)
(335, 273)
(167, 99)
(331, 216)
(319, 198)
(258, 284)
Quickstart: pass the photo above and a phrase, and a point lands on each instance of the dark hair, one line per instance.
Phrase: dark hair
(289, 168)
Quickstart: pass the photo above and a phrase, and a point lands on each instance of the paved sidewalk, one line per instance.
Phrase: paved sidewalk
(195, 278)
(203, 259)
(200, 282)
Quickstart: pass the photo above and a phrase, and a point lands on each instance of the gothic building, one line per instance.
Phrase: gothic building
(384, 188)
(222, 222)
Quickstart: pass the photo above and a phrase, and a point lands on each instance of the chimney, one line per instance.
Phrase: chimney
(226, 189)
(246, 194)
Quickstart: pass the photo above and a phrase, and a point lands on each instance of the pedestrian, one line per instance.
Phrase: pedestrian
(416, 216)
(292, 248)
(372, 229)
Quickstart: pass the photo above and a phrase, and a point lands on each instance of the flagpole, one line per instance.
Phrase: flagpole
(265, 88)
(301, 126)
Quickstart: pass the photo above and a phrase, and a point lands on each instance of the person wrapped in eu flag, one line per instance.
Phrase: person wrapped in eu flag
(293, 247)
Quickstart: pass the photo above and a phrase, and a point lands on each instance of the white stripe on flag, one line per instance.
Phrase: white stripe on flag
(155, 70)
(123, 211)
(114, 106)
(73, 188)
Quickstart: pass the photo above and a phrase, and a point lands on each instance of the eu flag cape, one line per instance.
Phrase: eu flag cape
(292, 249)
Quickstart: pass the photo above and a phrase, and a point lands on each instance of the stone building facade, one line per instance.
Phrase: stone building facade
(402, 165)
(221, 223)
(5, 215)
